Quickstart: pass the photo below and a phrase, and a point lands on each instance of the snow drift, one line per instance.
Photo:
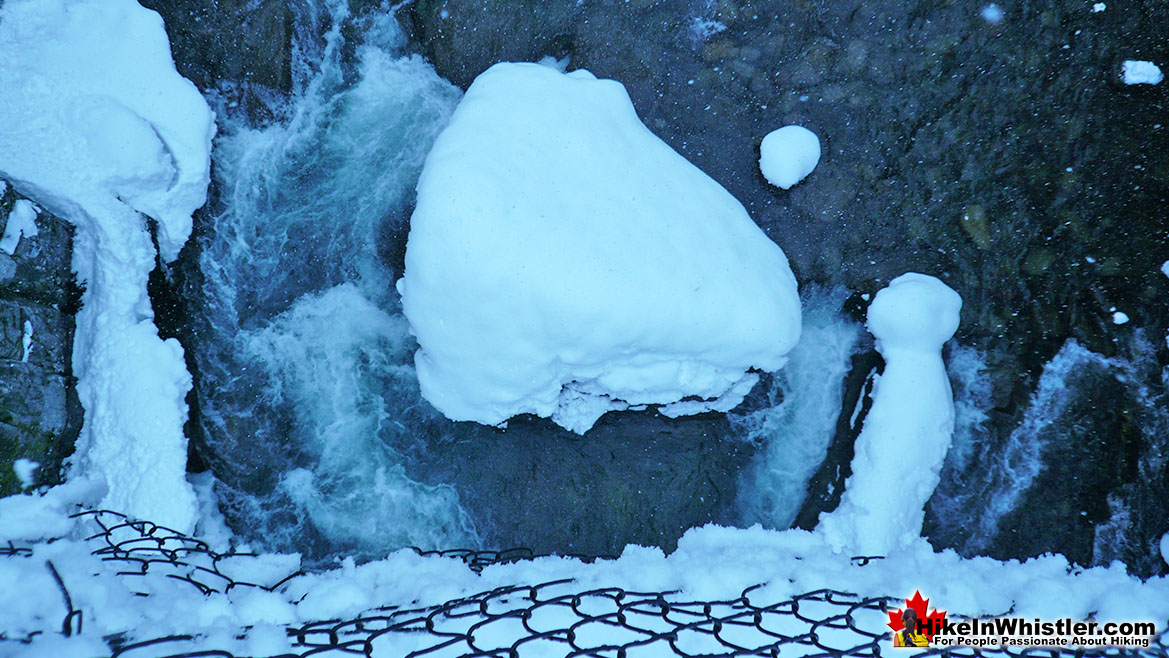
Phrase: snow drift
(563, 261)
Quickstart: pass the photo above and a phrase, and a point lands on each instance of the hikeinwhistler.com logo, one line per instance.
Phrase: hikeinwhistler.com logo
(916, 625)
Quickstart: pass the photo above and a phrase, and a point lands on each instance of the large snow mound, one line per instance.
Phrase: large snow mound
(903, 444)
(97, 127)
(93, 107)
(564, 261)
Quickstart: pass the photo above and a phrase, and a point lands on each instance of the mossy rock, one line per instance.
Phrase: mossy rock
(975, 226)
(23, 442)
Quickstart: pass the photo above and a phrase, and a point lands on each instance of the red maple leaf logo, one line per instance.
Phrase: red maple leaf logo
(931, 622)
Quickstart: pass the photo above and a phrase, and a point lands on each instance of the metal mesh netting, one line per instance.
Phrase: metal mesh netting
(556, 618)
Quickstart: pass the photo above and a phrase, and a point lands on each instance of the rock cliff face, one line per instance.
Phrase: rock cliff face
(39, 412)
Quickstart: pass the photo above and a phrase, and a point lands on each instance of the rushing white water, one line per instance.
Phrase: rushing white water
(796, 426)
(1022, 458)
(972, 398)
(308, 392)
(1130, 534)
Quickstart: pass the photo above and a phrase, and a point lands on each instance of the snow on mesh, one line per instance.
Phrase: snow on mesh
(555, 617)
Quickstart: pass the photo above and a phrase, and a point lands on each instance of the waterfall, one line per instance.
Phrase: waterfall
(308, 404)
(796, 419)
(1082, 472)
(310, 408)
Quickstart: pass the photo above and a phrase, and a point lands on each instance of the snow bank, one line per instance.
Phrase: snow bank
(25, 470)
(97, 127)
(34, 517)
(26, 341)
(788, 155)
(903, 443)
(563, 261)
(1137, 72)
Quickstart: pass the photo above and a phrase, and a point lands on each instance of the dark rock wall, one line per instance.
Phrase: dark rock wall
(240, 49)
(633, 478)
(233, 41)
(40, 415)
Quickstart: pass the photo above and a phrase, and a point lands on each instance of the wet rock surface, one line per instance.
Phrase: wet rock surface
(239, 48)
(460, 37)
(633, 478)
(40, 415)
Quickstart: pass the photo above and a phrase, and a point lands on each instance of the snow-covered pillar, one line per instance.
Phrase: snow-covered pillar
(906, 434)
(98, 127)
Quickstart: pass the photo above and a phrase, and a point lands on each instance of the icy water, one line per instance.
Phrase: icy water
(307, 386)
(798, 422)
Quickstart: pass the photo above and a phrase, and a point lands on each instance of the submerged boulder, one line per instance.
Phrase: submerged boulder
(637, 478)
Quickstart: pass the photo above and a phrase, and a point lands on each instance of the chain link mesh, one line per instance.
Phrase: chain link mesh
(556, 618)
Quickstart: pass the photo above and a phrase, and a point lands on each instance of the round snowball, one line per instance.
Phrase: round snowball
(1165, 547)
(915, 312)
(788, 155)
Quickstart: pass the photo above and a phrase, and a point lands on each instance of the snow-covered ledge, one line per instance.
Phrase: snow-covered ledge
(98, 127)
(906, 435)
